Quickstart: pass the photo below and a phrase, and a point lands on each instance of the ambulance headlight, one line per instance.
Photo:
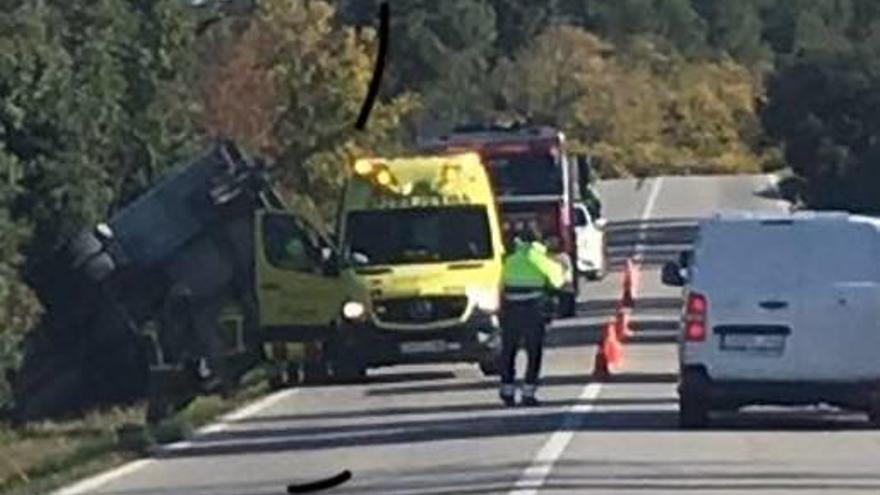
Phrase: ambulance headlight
(353, 310)
(384, 178)
(484, 298)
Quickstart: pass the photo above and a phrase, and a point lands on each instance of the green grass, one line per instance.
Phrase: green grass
(42, 457)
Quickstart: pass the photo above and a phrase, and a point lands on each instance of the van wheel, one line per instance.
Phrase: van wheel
(874, 412)
(693, 412)
(693, 400)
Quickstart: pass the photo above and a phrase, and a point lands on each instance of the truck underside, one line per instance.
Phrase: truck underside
(133, 307)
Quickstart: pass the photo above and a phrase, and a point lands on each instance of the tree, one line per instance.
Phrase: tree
(736, 28)
(519, 21)
(32, 71)
(290, 82)
(825, 112)
(642, 110)
(87, 99)
(443, 51)
(106, 130)
(673, 22)
(550, 78)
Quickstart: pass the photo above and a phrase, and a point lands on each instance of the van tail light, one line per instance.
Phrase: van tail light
(695, 318)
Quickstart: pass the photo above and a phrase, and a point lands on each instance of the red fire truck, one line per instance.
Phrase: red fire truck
(535, 183)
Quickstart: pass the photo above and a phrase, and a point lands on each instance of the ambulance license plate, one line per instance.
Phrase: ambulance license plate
(423, 347)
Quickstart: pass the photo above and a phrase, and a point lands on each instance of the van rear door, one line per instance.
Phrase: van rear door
(749, 272)
(837, 335)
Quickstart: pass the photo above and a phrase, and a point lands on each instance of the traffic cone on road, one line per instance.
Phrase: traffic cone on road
(621, 323)
(600, 363)
(627, 300)
(609, 353)
(612, 347)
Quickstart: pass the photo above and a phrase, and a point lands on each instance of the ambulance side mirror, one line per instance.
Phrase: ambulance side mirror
(330, 266)
(359, 259)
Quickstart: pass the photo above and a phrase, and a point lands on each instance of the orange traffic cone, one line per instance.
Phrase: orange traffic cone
(600, 363)
(627, 301)
(612, 347)
(621, 323)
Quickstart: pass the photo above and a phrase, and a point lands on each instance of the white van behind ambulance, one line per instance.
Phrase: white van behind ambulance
(782, 310)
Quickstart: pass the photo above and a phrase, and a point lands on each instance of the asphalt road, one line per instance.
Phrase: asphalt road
(441, 430)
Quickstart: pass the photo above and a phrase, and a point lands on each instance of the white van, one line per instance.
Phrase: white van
(782, 310)
(591, 246)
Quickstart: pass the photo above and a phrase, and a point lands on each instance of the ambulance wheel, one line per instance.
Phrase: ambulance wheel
(349, 371)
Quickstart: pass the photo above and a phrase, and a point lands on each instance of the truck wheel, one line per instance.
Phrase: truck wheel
(99, 266)
(82, 247)
(158, 409)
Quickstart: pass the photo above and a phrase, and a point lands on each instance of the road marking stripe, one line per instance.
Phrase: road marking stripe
(89, 485)
(534, 476)
(227, 420)
(95, 482)
(646, 214)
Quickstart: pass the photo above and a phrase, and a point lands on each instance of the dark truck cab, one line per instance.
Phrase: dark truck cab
(109, 284)
(535, 183)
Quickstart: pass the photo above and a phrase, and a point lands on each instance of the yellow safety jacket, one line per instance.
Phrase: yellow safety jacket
(529, 267)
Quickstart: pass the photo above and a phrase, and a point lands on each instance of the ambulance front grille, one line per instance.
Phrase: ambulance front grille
(424, 309)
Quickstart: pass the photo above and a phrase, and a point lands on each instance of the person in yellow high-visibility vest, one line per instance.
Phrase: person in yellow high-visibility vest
(529, 276)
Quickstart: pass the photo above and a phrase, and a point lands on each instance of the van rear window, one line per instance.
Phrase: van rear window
(419, 235)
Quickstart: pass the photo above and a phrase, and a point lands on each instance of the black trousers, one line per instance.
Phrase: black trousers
(522, 324)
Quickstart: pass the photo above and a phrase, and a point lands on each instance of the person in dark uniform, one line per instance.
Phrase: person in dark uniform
(529, 275)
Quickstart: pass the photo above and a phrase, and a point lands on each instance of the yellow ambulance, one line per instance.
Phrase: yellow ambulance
(413, 277)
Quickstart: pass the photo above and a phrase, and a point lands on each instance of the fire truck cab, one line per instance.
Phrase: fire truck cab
(535, 182)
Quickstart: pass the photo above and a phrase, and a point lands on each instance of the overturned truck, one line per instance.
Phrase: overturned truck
(136, 307)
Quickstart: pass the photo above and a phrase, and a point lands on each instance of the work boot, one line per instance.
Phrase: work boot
(507, 393)
(528, 396)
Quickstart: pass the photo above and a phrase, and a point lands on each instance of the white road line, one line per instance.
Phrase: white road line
(226, 421)
(93, 483)
(534, 476)
(89, 485)
(646, 214)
